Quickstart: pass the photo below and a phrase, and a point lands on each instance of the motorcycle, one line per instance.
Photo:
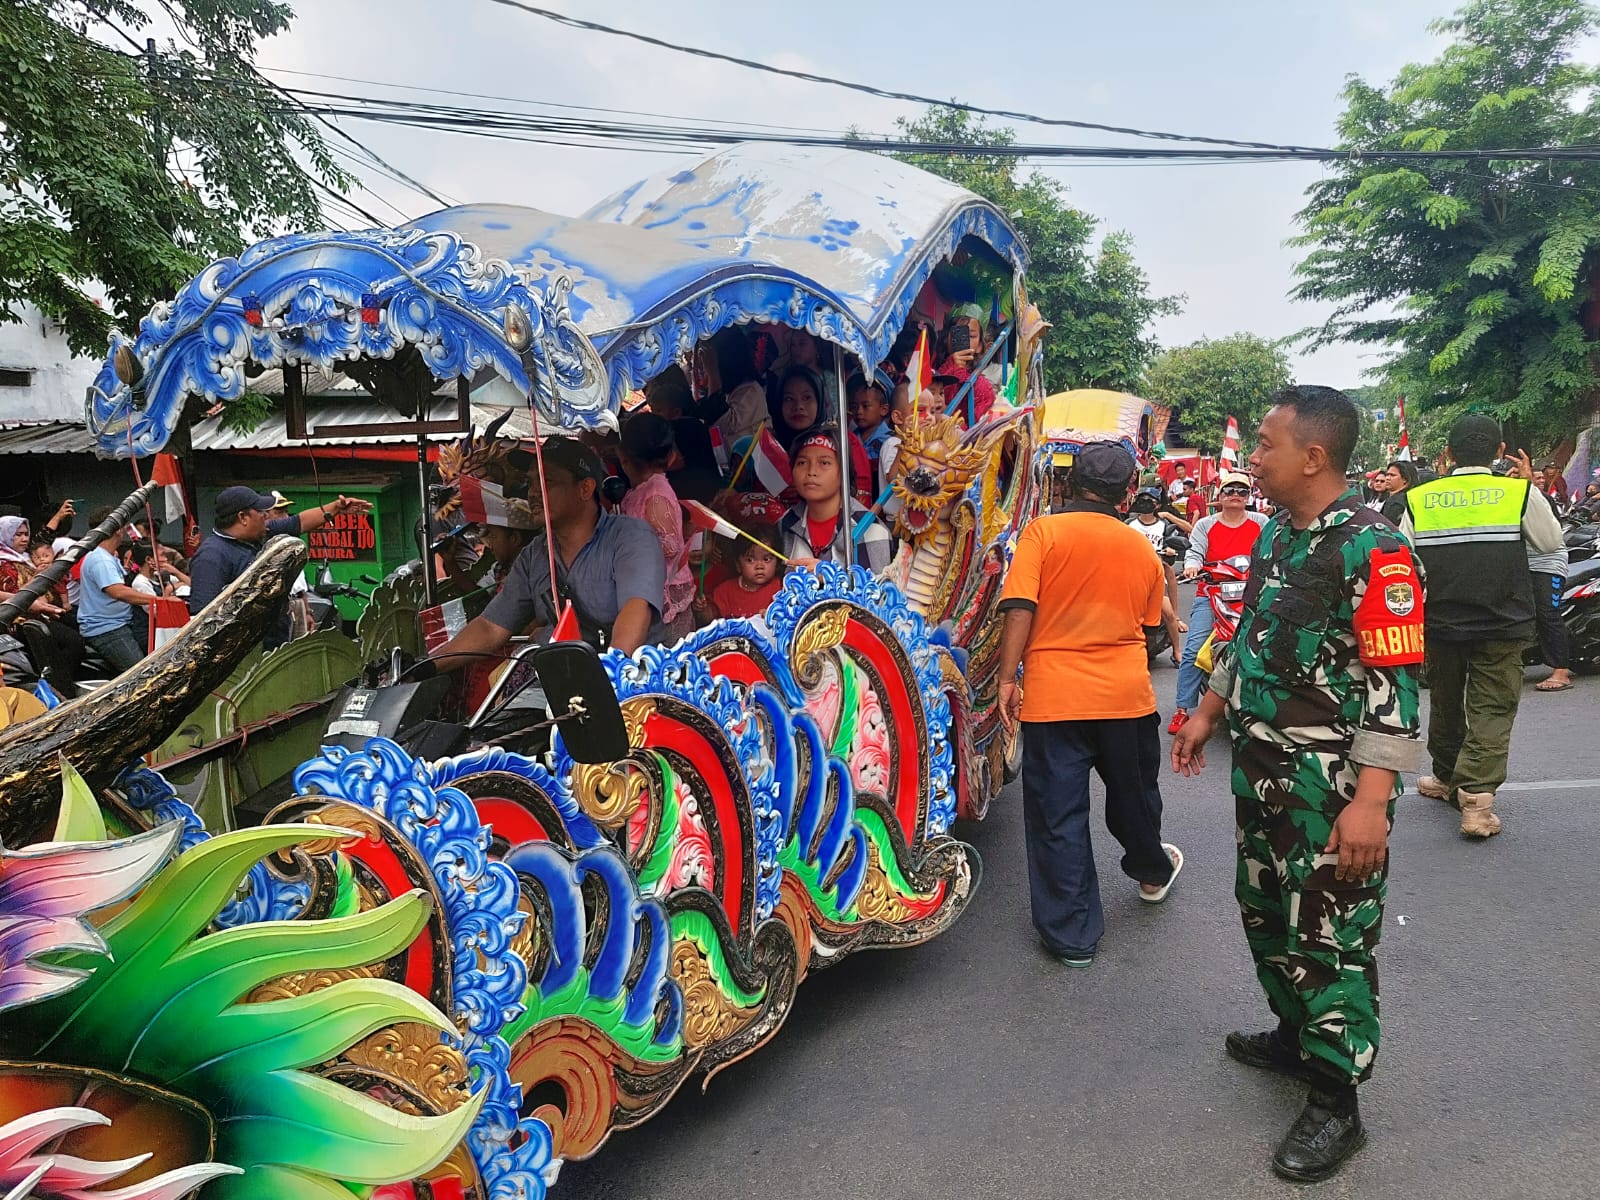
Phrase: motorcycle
(1580, 613)
(1157, 639)
(1227, 579)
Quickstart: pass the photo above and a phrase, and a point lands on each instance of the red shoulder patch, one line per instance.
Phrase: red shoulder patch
(1388, 624)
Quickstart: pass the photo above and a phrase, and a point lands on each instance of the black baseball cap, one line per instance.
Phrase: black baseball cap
(232, 501)
(1105, 468)
(573, 457)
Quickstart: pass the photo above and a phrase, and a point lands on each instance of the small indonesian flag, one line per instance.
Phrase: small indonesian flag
(484, 503)
(705, 519)
(919, 371)
(167, 616)
(167, 474)
(1403, 453)
(771, 464)
(1230, 446)
(719, 450)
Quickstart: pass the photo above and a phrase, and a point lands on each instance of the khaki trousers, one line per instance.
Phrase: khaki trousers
(1474, 688)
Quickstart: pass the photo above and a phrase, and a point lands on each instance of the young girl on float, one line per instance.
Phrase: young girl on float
(800, 409)
(758, 574)
(816, 528)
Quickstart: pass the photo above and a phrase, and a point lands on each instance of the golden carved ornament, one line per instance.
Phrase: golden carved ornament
(822, 632)
(303, 983)
(961, 522)
(413, 1055)
(344, 816)
(610, 792)
(708, 1015)
(877, 900)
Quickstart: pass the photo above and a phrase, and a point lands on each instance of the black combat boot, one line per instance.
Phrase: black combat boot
(1327, 1131)
(1271, 1050)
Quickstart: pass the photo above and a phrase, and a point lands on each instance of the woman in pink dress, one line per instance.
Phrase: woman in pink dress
(646, 453)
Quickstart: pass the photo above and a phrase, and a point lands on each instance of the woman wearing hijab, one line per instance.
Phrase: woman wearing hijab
(16, 564)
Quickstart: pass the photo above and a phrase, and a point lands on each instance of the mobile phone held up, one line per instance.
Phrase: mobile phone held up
(960, 337)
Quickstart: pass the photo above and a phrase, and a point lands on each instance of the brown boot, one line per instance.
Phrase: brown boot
(1477, 814)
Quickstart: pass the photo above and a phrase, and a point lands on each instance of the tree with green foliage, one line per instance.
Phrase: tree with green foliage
(1479, 273)
(133, 164)
(1098, 301)
(1207, 382)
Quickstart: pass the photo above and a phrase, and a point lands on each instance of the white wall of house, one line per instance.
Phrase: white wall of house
(56, 381)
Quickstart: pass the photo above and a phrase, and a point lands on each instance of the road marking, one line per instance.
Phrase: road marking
(1550, 785)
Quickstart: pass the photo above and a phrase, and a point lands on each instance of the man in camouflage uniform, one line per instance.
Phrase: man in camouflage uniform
(1321, 705)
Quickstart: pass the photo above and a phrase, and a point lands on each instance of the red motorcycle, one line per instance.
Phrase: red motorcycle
(1223, 582)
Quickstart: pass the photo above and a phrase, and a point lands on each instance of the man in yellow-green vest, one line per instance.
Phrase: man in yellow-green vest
(1473, 530)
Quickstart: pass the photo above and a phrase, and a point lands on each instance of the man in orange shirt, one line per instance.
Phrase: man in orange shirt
(1081, 590)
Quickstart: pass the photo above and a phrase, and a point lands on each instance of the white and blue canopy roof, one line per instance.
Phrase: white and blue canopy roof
(838, 242)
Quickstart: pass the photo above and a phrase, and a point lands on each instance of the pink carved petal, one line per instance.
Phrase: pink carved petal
(173, 1185)
(68, 880)
(21, 1137)
(68, 1171)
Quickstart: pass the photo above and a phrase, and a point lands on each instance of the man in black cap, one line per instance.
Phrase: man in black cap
(608, 566)
(1081, 590)
(243, 523)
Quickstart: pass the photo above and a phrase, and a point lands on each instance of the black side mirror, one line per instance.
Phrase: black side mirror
(582, 701)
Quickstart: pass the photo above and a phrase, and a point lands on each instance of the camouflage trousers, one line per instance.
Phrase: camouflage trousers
(1312, 936)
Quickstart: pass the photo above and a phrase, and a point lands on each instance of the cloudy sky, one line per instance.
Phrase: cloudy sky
(1261, 70)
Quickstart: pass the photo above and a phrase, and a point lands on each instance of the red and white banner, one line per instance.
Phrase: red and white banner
(1229, 458)
(1403, 451)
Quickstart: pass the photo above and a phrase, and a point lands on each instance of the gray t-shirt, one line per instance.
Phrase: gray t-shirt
(621, 562)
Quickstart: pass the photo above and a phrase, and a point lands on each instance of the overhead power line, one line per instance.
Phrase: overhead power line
(870, 90)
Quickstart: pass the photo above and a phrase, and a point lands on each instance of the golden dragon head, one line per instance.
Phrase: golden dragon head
(931, 471)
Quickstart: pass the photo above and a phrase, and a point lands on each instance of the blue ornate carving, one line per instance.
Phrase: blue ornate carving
(804, 590)
(579, 827)
(679, 672)
(640, 353)
(269, 898)
(488, 979)
(302, 298)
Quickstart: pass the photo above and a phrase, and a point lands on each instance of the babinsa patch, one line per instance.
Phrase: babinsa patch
(1400, 599)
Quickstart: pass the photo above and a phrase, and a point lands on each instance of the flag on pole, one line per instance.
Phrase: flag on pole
(707, 520)
(919, 371)
(1229, 458)
(770, 462)
(167, 617)
(485, 503)
(567, 629)
(167, 474)
(719, 450)
(1403, 451)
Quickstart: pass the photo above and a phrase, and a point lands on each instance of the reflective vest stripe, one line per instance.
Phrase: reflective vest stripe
(1489, 533)
(1468, 508)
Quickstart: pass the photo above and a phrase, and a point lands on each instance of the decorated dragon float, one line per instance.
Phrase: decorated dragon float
(427, 974)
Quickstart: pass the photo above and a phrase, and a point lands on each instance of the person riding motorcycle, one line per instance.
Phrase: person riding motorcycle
(1151, 517)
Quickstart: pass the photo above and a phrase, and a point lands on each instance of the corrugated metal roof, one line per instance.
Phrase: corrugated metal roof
(66, 437)
(209, 434)
(45, 437)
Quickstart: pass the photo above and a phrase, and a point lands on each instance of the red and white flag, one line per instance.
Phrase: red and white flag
(919, 370)
(1403, 451)
(705, 519)
(771, 464)
(167, 617)
(167, 473)
(485, 503)
(719, 450)
(1229, 457)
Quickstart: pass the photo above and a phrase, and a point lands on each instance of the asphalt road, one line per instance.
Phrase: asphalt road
(975, 1066)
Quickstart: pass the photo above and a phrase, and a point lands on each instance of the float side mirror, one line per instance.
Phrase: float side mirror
(582, 701)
